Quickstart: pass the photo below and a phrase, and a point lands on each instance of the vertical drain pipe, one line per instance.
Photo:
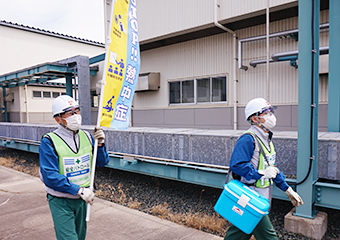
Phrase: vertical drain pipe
(26, 98)
(217, 24)
(267, 43)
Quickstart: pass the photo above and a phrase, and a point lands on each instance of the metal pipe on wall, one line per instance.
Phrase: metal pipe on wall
(5, 103)
(278, 34)
(286, 56)
(217, 24)
(26, 99)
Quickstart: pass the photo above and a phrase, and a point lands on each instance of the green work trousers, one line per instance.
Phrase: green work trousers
(263, 231)
(68, 217)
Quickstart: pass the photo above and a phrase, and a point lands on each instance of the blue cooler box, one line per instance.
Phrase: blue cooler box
(241, 206)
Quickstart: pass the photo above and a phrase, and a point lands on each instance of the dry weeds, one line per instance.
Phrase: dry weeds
(201, 221)
(134, 204)
(20, 165)
(196, 220)
(6, 162)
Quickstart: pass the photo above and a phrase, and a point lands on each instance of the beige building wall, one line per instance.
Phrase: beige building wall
(22, 48)
(26, 108)
(38, 108)
(213, 56)
(159, 19)
(184, 61)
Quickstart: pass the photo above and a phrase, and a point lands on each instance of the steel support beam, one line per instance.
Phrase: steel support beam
(97, 58)
(69, 88)
(180, 172)
(83, 71)
(334, 70)
(24, 146)
(309, 11)
(327, 195)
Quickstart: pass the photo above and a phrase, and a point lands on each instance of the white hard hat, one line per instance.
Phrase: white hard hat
(256, 105)
(62, 104)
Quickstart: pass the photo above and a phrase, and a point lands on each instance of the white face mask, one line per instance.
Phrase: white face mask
(270, 121)
(73, 122)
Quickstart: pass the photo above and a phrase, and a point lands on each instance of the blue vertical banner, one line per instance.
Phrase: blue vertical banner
(122, 66)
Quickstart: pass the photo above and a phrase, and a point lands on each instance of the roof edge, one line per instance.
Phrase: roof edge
(49, 33)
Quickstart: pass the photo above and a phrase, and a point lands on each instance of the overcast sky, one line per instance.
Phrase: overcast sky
(78, 18)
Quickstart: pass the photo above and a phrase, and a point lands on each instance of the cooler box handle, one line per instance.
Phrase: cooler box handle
(251, 190)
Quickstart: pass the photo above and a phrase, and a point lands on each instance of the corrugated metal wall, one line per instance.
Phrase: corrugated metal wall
(237, 8)
(159, 18)
(283, 78)
(198, 58)
(213, 56)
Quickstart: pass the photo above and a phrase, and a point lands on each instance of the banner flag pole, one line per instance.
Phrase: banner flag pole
(120, 75)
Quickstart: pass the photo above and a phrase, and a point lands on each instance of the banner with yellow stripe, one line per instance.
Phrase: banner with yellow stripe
(122, 66)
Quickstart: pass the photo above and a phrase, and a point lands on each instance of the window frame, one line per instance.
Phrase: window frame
(46, 92)
(42, 94)
(56, 92)
(33, 91)
(196, 93)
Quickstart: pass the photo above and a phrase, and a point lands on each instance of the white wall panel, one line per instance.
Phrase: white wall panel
(236, 8)
(24, 49)
(213, 56)
(198, 58)
(160, 18)
(283, 77)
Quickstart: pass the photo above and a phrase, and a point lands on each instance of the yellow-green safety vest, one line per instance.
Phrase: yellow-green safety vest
(263, 164)
(75, 166)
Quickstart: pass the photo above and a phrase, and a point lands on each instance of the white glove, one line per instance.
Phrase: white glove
(294, 197)
(86, 194)
(269, 172)
(98, 133)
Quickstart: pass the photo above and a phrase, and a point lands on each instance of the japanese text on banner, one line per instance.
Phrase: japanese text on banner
(122, 61)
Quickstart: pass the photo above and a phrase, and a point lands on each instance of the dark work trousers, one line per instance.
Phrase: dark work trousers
(263, 231)
(68, 217)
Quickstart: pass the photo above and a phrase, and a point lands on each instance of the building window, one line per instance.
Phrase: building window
(94, 99)
(175, 92)
(43, 94)
(46, 94)
(203, 90)
(198, 91)
(188, 91)
(37, 94)
(55, 94)
(219, 93)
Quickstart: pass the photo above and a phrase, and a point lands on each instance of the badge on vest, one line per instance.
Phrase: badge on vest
(271, 159)
(77, 169)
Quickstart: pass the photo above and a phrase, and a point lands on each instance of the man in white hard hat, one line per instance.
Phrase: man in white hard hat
(249, 165)
(65, 157)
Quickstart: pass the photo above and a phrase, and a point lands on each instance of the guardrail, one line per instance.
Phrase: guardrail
(327, 192)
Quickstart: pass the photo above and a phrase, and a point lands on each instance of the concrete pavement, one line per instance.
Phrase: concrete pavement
(24, 214)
